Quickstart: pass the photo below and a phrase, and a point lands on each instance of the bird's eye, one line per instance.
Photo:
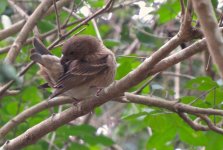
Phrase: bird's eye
(71, 53)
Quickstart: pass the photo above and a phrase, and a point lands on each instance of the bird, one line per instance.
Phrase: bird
(86, 67)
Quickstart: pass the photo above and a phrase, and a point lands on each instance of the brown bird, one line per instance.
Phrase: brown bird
(87, 64)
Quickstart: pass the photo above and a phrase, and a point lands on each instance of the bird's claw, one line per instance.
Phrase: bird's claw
(99, 91)
(76, 101)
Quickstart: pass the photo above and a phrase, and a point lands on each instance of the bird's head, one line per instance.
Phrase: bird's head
(77, 47)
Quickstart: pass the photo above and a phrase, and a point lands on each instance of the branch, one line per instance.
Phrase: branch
(193, 124)
(174, 106)
(114, 90)
(84, 22)
(57, 18)
(212, 33)
(178, 57)
(27, 28)
(211, 125)
(12, 29)
(18, 9)
(18, 26)
(43, 36)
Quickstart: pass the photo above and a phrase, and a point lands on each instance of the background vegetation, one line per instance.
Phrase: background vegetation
(133, 30)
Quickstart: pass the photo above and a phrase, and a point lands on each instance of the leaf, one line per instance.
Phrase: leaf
(187, 99)
(83, 130)
(77, 146)
(201, 84)
(145, 35)
(101, 139)
(188, 135)
(96, 3)
(7, 73)
(214, 3)
(45, 25)
(110, 43)
(3, 5)
(215, 96)
(214, 141)
(160, 141)
(168, 11)
(135, 116)
(123, 69)
(31, 94)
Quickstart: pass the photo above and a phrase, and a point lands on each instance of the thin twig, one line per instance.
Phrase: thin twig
(57, 18)
(203, 94)
(146, 83)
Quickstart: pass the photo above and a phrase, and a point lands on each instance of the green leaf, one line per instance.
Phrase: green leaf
(145, 35)
(110, 43)
(31, 94)
(214, 3)
(104, 140)
(77, 146)
(12, 108)
(96, 3)
(188, 135)
(7, 73)
(45, 25)
(123, 68)
(168, 11)
(3, 5)
(135, 116)
(83, 130)
(188, 99)
(215, 96)
(201, 84)
(214, 141)
(161, 141)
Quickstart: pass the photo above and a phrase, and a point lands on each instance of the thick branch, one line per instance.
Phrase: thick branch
(84, 107)
(179, 56)
(209, 26)
(12, 29)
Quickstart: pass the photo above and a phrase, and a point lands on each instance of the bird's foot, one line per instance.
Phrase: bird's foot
(76, 101)
(53, 115)
(99, 91)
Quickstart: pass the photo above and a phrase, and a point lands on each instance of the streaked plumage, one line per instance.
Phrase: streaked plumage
(87, 66)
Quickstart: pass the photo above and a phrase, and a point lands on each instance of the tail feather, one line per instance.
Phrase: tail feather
(40, 48)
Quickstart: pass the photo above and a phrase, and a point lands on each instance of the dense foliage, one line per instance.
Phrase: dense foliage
(148, 24)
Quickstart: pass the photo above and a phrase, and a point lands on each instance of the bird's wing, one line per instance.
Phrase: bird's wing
(79, 73)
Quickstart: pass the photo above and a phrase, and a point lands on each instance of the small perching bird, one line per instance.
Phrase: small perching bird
(85, 67)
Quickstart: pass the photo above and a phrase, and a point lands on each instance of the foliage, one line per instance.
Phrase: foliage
(135, 126)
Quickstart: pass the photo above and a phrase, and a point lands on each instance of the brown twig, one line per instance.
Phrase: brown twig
(43, 36)
(99, 12)
(138, 91)
(193, 124)
(18, 9)
(174, 106)
(27, 28)
(57, 18)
